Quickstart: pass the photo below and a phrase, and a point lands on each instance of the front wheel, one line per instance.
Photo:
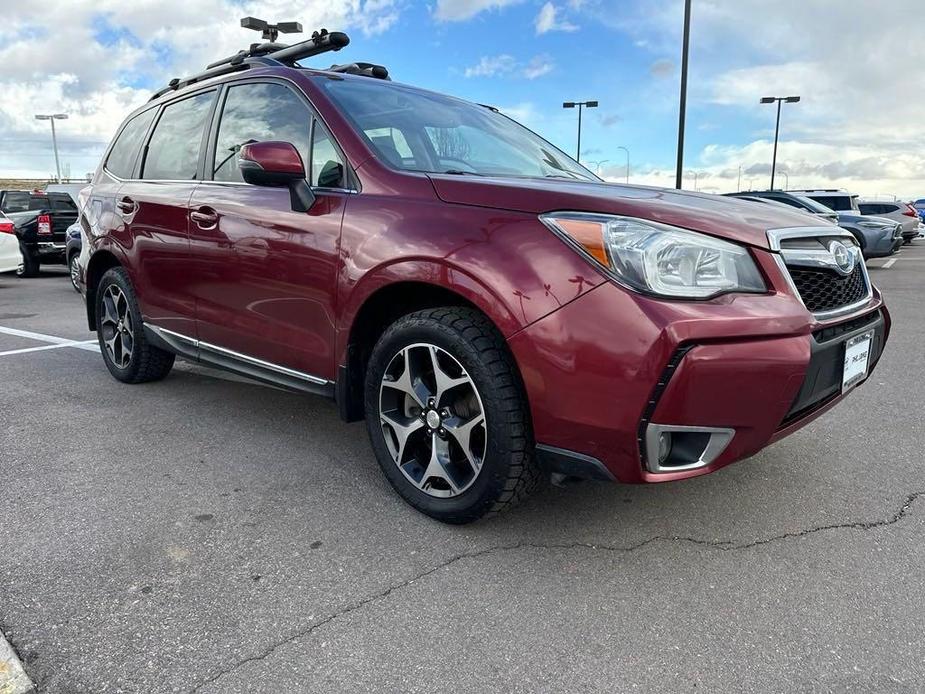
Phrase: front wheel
(447, 415)
(126, 351)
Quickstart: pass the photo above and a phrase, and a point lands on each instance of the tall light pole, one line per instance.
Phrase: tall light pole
(627, 162)
(696, 174)
(779, 100)
(579, 104)
(54, 139)
(598, 165)
(685, 49)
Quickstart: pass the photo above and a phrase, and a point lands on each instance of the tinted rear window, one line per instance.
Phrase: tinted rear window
(173, 151)
(121, 161)
(839, 203)
(16, 201)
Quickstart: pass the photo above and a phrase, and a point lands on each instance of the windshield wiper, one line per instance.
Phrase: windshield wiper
(460, 172)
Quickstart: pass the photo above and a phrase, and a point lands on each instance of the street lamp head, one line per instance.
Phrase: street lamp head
(568, 104)
(768, 99)
(591, 104)
(60, 116)
(42, 117)
(792, 99)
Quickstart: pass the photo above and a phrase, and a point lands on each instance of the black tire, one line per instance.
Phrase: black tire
(72, 270)
(30, 263)
(508, 472)
(145, 362)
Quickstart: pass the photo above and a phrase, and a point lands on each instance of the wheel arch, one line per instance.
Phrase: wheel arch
(375, 313)
(99, 263)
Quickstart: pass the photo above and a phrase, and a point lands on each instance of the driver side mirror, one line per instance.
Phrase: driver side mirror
(277, 165)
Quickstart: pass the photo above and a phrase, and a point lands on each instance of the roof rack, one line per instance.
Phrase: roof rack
(270, 53)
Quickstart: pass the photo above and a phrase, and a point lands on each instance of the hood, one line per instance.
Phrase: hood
(742, 221)
(851, 218)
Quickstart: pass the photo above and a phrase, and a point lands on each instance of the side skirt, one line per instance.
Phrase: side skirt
(241, 364)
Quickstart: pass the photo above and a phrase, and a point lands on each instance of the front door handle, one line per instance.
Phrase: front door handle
(204, 217)
(126, 205)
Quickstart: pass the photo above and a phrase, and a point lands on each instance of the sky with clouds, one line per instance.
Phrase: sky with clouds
(858, 66)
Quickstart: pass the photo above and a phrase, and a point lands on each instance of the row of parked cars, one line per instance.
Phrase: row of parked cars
(880, 227)
(34, 228)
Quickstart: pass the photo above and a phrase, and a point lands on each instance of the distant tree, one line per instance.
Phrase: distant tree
(450, 144)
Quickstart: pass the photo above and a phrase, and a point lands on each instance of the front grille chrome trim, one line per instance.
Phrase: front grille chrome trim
(810, 259)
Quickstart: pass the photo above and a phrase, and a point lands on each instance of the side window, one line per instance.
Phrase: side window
(887, 209)
(327, 166)
(173, 150)
(62, 203)
(788, 201)
(121, 160)
(257, 113)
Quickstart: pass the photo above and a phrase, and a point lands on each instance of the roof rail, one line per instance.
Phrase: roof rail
(262, 54)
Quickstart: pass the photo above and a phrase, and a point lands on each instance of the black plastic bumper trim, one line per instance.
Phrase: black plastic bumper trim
(572, 464)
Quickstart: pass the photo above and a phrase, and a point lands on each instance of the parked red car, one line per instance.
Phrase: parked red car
(493, 310)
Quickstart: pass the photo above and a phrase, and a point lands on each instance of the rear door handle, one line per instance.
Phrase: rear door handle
(126, 205)
(204, 217)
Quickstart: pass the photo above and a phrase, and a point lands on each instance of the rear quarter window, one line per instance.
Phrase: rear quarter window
(16, 201)
(124, 153)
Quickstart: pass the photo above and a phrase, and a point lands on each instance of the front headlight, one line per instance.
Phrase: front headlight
(657, 258)
(876, 225)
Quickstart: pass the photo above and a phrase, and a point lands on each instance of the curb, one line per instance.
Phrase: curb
(13, 679)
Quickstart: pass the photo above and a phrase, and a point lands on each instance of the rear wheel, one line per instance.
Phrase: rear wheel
(126, 351)
(74, 271)
(447, 415)
(30, 263)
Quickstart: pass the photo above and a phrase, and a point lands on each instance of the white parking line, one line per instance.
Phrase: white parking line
(888, 264)
(96, 348)
(88, 345)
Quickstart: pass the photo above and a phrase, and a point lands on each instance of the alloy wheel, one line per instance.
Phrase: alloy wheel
(118, 332)
(433, 420)
(75, 272)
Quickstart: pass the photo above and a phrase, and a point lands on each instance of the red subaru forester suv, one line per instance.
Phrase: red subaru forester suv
(493, 310)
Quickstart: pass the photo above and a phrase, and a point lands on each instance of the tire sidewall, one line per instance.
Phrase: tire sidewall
(70, 261)
(489, 485)
(118, 277)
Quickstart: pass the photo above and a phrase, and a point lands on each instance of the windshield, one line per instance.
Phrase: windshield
(421, 131)
(816, 207)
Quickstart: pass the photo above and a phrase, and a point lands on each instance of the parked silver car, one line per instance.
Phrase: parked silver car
(901, 212)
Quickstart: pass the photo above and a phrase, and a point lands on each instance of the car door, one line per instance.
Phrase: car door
(264, 277)
(155, 210)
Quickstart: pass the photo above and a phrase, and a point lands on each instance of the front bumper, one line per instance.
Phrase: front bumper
(604, 367)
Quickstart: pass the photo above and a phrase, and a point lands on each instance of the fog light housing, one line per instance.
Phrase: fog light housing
(676, 448)
(664, 446)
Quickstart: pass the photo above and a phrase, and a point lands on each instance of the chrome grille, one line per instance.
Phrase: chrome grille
(807, 257)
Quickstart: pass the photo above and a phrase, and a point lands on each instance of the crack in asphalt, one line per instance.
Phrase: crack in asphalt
(722, 545)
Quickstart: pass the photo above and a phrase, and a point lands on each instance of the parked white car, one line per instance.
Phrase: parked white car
(898, 211)
(10, 256)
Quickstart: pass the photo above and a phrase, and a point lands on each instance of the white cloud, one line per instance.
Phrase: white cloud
(860, 123)
(53, 60)
(492, 66)
(538, 66)
(547, 20)
(460, 10)
(506, 65)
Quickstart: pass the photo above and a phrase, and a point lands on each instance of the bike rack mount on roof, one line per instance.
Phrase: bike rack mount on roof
(277, 54)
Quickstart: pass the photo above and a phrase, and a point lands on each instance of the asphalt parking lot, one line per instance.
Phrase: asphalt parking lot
(208, 534)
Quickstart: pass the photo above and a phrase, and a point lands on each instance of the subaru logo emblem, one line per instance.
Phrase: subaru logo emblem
(844, 259)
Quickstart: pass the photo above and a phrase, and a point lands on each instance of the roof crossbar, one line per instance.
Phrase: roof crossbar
(264, 54)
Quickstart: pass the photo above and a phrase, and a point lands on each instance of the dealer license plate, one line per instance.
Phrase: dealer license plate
(857, 356)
